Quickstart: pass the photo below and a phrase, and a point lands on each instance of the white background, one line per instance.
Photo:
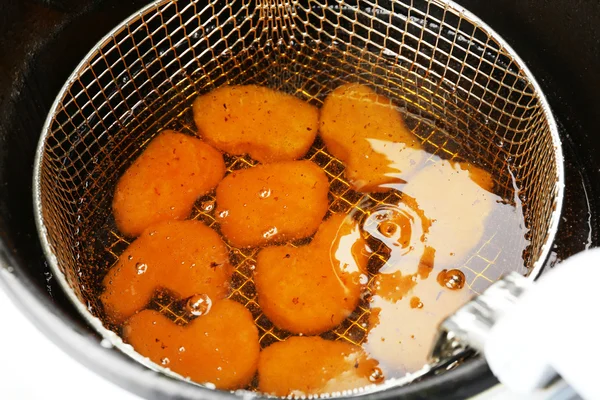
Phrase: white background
(33, 368)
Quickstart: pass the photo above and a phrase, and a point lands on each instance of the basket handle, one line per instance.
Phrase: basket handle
(534, 333)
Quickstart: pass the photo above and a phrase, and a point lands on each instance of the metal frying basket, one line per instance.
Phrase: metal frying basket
(463, 89)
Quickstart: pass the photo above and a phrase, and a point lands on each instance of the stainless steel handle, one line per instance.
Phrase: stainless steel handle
(471, 324)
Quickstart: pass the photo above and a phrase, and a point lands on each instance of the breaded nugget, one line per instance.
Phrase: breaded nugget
(186, 257)
(457, 198)
(165, 181)
(311, 289)
(220, 347)
(272, 203)
(268, 125)
(366, 132)
(312, 365)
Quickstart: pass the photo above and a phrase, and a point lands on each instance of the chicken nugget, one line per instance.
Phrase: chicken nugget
(165, 181)
(457, 198)
(272, 203)
(268, 125)
(366, 132)
(220, 347)
(311, 289)
(302, 366)
(185, 257)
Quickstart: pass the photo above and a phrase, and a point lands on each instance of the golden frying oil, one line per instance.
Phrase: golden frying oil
(435, 240)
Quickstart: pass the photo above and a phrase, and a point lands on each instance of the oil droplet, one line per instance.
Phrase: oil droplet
(270, 233)
(130, 257)
(165, 361)
(392, 225)
(152, 233)
(264, 193)
(219, 368)
(181, 349)
(199, 304)
(415, 302)
(453, 279)
(376, 375)
(224, 214)
(207, 205)
(141, 268)
(387, 228)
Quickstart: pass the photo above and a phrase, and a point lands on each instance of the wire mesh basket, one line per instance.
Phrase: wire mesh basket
(462, 89)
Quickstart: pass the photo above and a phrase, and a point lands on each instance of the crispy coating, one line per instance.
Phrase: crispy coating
(312, 365)
(186, 257)
(366, 132)
(268, 125)
(220, 347)
(457, 198)
(165, 181)
(272, 203)
(311, 289)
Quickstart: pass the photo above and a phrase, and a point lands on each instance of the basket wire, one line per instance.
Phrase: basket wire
(463, 92)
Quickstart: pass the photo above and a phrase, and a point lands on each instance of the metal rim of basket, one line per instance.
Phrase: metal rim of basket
(111, 339)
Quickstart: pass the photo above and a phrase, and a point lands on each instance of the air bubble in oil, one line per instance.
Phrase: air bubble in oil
(141, 268)
(387, 228)
(199, 304)
(366, 294)
(270, 233)
(207, 205)
(376, 375)
(264, 193)
(453, 279)
(223, 214)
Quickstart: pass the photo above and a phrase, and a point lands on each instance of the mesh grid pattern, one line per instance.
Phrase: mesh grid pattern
(462, 91)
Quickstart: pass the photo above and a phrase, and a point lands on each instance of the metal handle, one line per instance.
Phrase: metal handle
(471, 324)
(534, 334)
